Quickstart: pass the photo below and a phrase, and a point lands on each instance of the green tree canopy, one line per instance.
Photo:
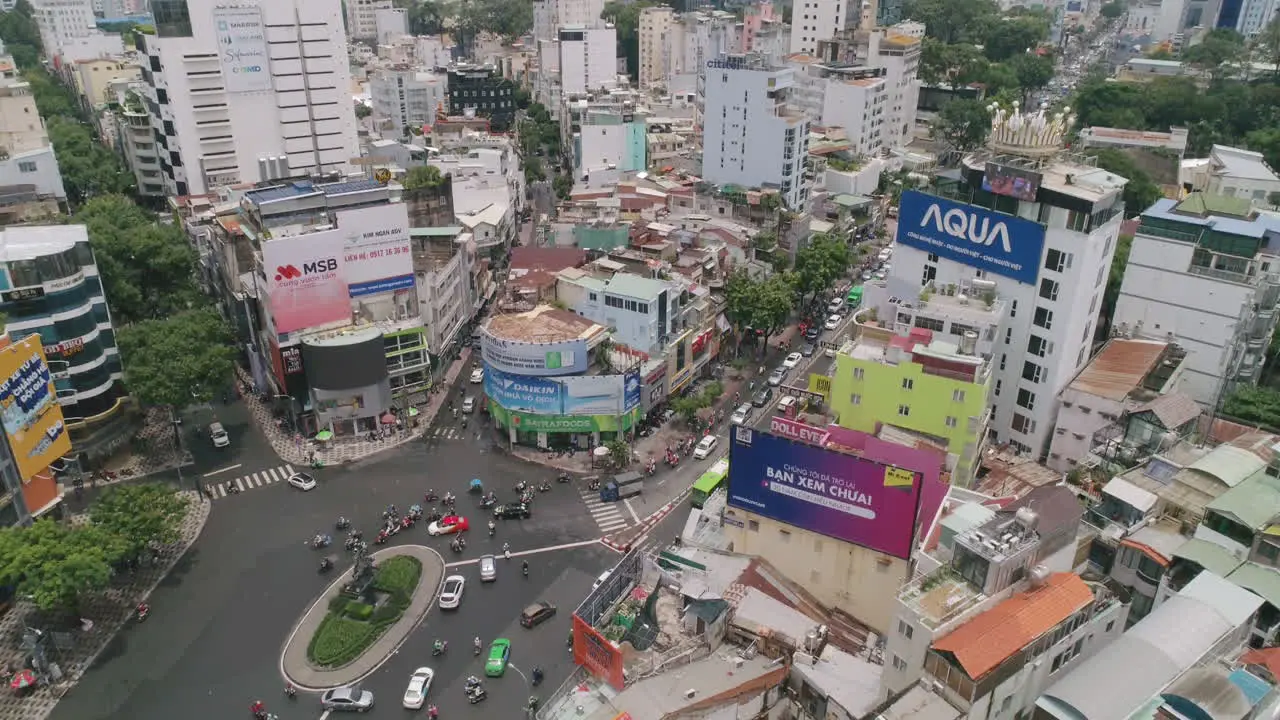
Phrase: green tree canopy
(953, 21)
(963, 124)
(1221, 49)
(1033, 71)
(139, 515)
(1014, 36)
(819, 264)
(423, 176)
(89, 168)
(56, 565)
(178, 360)
(1113, 9)
(148, 269)
(1141, 191)
(21, 35)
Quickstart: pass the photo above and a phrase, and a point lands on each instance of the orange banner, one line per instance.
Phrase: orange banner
(594, 652)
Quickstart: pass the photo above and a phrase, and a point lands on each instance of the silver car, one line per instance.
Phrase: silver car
(739, 416)
(776, 377)
(347, 699)
(488, 568)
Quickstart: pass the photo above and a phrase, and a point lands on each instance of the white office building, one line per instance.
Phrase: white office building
(581, 60)
(281, 109)
(897, 50)
(29, 172)
(362, 17)
(550, 15)
(1202, 273)
(404, 96)
(391, 24)
(1048, 244)
(751, 136)
(813, 21)
(853, 98)
(62, 20)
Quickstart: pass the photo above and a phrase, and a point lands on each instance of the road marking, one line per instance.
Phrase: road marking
(222, 470)
(609, 527)
(239, 485)
(634, 516)
(525, 553)
(326, 714)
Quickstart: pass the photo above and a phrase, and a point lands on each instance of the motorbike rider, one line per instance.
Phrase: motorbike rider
(258, 709)
(493, 527)
(433, 712)
(290, 690)
(525, 567)
(477, 644)
(506, 550)
(440, 645)
(143, 609)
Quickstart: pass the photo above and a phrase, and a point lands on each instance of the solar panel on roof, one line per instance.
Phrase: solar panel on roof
(1160, 471)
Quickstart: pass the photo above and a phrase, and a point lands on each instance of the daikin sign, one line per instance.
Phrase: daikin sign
(975, 236)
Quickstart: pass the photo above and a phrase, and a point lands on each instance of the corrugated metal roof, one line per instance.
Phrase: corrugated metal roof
(1119, 368)
(1173, 410)
(1131, 494)
(1229, 464)
(1258, 579)
(1253, 502)
(989, 639)
(1209, 555)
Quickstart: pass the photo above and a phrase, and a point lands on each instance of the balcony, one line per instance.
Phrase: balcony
(1262, 322)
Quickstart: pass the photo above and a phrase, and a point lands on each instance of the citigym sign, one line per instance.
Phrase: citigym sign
(972, 235)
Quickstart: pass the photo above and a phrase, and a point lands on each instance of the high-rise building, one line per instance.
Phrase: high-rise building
(403, 96)
(61, 21)
(29, 174)
(248, 93)
(362, 17)
(1218, 252)
(851, 97)
(751, 136)
(481, 90)
(1023, 225)
(813, 21)
(55, 291)
(656, 27)
(550, 15)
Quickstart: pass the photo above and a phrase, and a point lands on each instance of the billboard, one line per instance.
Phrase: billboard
(376, 251)
(984, 239)
(568, 357)
(29, 408)
(841, 496)
(1011, 181)
(576, 395)
(798, 431)
(242, 47)
(306, 283)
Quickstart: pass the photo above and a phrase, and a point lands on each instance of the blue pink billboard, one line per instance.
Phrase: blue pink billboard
(842, 496)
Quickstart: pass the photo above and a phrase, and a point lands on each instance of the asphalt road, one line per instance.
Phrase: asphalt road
(219, 622)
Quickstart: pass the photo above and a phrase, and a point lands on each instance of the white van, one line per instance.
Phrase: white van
(218, 435)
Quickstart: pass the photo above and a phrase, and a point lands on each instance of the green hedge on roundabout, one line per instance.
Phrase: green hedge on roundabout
(351, 625)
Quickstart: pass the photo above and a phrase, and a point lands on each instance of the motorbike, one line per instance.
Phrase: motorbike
(431, 496)
(342, 523)
(458, 545)
(382, 537)
(526, 498)
(407, 521)
(321, 541)
(563, 478)
(521, 487)
(537, 677)
(439, 647)
(316, 464)
(142, 611)
(434, 515)
(449, 500)
(493, 528)
(476, 694)
(650, 468)
(593, 485)
(326, 564)
(488, 502)
(544, 487)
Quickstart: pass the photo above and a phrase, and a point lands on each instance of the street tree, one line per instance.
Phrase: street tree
(963, 124)
(774, 301)
(1113, 9)
(21, 35)
(148, 269)
(1217, 54)
(740, 304)
(1033, 72)
(1266, 46)
(951, 64)
(56, 565)
(179, 360)
(1008, 37)
(818, 265)
(88, 167)
(953, 21)
(139, 516)
(422, 176)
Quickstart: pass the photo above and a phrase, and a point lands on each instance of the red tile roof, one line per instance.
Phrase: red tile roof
(989, 639)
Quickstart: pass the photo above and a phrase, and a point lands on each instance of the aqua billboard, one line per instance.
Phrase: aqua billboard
(1001, 244)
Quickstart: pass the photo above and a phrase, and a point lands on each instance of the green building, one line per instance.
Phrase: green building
(928, 385)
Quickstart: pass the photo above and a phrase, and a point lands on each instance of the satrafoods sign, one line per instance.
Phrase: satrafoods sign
(994, 242)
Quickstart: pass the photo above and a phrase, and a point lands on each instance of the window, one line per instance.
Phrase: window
(904, 410)
(858, 373)
(855, 399)
(27, 166)
(753, 525)
(998, 384)
(1037, 346)
(1023, 424)
(1013, 309)
(1032, 372)
(899, 664)
(1048, 289)
(1110, 625)
(1056, 260)
(951, 422)
(1026, 399)
(957, 396)
(1004, 704)
(172, 19)
(907, 383)
(1043, 318)
(1003, 357)
(905, 629)
(1008, 336)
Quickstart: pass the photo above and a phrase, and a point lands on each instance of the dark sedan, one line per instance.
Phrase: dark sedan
(512, 511)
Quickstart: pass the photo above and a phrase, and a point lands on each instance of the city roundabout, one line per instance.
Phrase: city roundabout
(363, 617)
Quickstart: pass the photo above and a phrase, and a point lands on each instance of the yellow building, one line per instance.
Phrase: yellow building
(93, 77)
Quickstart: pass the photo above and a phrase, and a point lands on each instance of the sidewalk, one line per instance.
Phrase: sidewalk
(152, 450)
(293, 661)
(75, 652)
(297, 450)
(622, 540)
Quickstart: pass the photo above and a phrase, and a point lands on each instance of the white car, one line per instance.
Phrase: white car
(488, 568)
(792, 360)
(302, 481)
(415, 696)
(477, 376)
(832, 322)
(786, 403)
(468, 404)
(739, 416)
(777, 376)
(600, 580)
(451, 595)
(705, 446)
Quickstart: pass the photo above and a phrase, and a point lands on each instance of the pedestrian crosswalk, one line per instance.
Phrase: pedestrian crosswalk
(609, 516)
(449, 432)
(219, 488)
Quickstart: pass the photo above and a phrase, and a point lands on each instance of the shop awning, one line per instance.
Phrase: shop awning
(723, 323)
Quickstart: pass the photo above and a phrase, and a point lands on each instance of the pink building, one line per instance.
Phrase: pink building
(762, 14)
